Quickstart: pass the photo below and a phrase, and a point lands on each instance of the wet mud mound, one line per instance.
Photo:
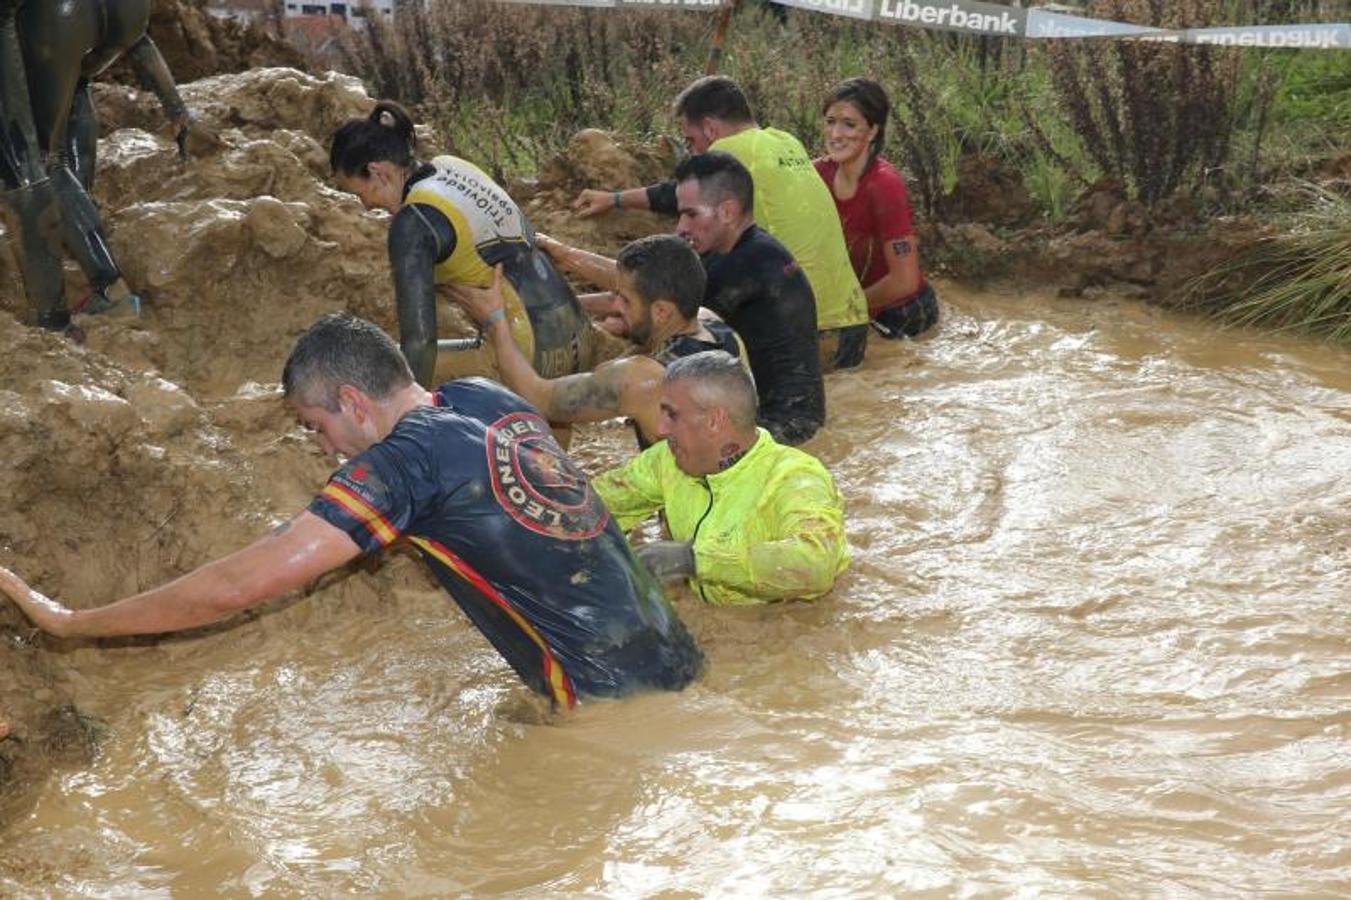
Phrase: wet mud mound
(116, 480)
(236, 250)
(162, 442)
(603, 161)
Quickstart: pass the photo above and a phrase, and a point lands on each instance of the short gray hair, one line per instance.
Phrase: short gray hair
(343, 349)
(720, 380)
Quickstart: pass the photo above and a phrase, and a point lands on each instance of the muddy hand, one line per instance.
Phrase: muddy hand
(667, 560)
(44, 612)
(195, 138)
(593, 203)
(481, 303)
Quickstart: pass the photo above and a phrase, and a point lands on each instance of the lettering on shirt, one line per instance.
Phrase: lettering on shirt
(537, 485)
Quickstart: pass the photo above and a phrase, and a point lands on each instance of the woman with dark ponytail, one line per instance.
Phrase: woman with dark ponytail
(874, 209)
(452, 226)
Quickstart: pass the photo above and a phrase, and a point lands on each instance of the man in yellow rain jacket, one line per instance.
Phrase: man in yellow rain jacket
(751, 520)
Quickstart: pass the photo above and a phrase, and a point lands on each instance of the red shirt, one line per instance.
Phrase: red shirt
(878, 213)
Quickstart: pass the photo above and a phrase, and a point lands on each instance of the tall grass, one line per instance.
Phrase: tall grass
(1297, 280)
(508, 85)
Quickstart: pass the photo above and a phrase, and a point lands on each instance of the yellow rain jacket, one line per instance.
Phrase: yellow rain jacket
(769, 528)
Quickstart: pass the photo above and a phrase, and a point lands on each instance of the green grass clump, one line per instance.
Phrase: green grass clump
(1298, 280)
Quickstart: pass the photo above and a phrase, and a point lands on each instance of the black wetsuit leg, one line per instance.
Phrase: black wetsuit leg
(57, 37)
(910, 320)
(82, 137)
(31, 195)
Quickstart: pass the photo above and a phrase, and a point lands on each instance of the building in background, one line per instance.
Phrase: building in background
(350, 13)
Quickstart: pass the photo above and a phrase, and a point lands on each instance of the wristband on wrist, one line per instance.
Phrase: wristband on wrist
(616, 200)
(497, 315)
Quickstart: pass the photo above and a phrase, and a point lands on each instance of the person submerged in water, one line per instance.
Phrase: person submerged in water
(874, 208)
(751, 521)
(472, 478)
(658, 284)
(452, 225)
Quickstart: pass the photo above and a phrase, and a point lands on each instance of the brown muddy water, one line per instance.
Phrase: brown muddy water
(1094, 642)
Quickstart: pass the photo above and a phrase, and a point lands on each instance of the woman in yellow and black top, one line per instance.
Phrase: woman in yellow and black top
(452, 225)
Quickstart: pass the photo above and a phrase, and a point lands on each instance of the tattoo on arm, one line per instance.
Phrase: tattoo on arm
(582, 395)
(901, 247)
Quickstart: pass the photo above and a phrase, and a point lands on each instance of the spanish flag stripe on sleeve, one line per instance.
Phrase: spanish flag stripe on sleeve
(560, 685)
(368, 515)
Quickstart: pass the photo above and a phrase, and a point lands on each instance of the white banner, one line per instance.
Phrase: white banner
(974, 17)
(1041, 24)
(857, 9)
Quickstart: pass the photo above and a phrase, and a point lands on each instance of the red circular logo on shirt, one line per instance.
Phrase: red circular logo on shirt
(536, 483)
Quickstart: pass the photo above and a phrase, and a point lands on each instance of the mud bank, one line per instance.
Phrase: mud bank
(161, 443)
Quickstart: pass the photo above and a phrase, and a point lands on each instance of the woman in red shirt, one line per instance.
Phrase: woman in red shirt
(874, 209)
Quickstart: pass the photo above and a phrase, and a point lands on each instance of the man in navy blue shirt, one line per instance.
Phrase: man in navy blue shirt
(473, 478)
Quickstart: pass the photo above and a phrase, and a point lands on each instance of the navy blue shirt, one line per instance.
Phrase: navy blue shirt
(518, 537)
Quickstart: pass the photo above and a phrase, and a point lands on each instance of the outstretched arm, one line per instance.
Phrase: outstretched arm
(289, 557)
(419, 237)
(154, 74)
(590, 267)
(592, 202)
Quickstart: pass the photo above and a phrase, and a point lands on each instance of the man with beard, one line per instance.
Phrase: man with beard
(658, 283)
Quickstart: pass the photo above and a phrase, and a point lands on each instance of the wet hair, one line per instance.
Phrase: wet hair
(665, 267)
(359, 142)
(720, 380)
(868, 97)
(713, 95)
(343, 349)
(721, 176)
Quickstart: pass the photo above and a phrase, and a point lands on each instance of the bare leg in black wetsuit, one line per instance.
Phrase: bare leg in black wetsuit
(65, 44)
(31, 198)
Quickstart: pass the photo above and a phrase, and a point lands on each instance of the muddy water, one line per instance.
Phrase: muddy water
(1095, 639)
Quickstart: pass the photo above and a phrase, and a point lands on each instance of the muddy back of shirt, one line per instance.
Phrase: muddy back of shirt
(516, 534)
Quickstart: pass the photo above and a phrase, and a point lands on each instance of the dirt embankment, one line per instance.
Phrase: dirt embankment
(1108, 244)
(162, 443)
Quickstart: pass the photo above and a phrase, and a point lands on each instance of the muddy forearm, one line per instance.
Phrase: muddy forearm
(155, 75)
(587, 266)
(516, 371)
